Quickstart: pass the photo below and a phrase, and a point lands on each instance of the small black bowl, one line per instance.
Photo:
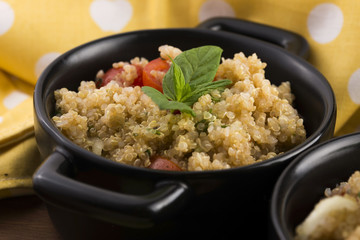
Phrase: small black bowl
(89, 196)
(303, 182)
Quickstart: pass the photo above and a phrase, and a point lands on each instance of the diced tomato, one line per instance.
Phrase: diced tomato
(150, 80)
(139, 80)
(161, 163)
(115, 74)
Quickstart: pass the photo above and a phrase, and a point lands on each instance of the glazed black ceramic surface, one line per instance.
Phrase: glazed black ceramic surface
(303, 182)
(88, 195)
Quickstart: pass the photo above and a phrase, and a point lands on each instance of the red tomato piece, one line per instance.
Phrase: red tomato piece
(115, 74)
(161, 163)
(139, 80)
(150, 80)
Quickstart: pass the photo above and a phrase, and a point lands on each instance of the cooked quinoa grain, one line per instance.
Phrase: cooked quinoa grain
(248, 122)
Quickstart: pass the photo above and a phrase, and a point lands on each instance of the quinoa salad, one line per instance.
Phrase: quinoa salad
(337, 215)
(156, 114)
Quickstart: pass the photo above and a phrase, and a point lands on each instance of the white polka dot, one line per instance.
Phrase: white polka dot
(44, 61)
(7, 17)
(325, 22)
(1, 119)
(354, 86)
(14, 99)
(111, 15)
(215, 8)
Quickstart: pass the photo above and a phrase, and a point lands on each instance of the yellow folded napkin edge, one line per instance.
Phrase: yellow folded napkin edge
(17, 164)
(19, 156)
(13, 131)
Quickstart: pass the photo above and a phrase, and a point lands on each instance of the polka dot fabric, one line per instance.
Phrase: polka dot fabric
(35, 32)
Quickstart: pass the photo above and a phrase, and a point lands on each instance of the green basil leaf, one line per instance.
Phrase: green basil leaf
(203, 89)
(182, 107)
(181, 87)
(200, 64)
(163, 103)
(179, 81)
(168, 84)
(159, 98)
(189, 77)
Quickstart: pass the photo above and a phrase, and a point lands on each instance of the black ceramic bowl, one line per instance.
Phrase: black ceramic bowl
(89, 196)
(303, 182)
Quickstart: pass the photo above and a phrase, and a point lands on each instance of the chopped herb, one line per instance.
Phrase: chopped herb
(224, 126)
(154, 131)
(57, 112)
(90, 129)
(202, 125)
(98, 82)
(190, 76)
(215, 100)
(148, 152)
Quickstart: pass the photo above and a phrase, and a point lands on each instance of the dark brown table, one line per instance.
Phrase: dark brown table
(25, 218)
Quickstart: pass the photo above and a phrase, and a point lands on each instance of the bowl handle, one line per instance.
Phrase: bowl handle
(291, 41)
(52, 182)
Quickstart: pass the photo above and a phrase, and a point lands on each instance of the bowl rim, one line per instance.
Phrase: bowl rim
(280, 194)
(45, 121)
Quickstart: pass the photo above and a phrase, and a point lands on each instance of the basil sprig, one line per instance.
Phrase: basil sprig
(190, 76)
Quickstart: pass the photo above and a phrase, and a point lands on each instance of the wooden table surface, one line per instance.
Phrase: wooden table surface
(25, 218)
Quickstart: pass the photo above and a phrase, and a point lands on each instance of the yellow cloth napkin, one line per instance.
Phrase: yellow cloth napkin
(34, 32)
